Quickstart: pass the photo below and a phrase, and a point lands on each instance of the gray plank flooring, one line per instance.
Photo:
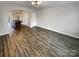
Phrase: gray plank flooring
(38, 42)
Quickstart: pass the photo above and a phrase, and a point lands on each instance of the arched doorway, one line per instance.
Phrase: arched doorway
(15, 18)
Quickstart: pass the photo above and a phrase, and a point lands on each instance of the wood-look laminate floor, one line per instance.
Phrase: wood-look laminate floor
(38, 42)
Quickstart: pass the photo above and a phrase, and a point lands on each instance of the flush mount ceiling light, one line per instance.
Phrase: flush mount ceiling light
(36, 3)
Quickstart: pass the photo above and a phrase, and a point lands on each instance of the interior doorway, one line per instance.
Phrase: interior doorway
(18, 18)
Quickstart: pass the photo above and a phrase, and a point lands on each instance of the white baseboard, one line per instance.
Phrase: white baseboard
(4, 34)
(60, 32)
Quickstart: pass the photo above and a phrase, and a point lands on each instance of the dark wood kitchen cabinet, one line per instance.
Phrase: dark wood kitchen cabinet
(16, 24)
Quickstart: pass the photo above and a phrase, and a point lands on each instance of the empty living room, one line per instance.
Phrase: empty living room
(39, 28)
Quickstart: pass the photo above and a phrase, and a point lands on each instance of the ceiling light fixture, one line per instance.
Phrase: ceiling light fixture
(36, 3)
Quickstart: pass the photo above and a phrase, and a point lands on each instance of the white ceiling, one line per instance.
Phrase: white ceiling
(43, 4)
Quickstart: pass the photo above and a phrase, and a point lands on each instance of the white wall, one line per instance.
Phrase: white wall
(33, 20)
(60, 18)
(26, 18)
(4, 20)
